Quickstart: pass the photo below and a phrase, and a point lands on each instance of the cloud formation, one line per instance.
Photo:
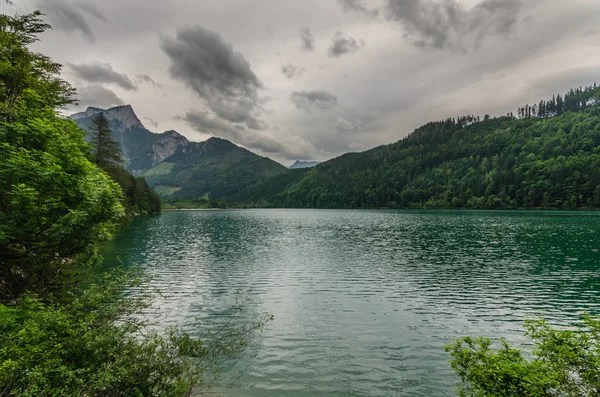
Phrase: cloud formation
(450, 24)
(71, 16)
(98, 96)
(308, 40)
(203, 121)
(285, 147)
(343, 125)
(151, 121)
(342, 44)
(102, 73)
(217, 73)
(359, 6)
(521, 57)
(309, 100)
(229, 90)
(292, 72)
(144, 78)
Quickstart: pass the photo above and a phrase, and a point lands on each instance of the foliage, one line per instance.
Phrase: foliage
(97, 345)
(202, 203)
(22, 70)
(105, 151)
(55, 206)
(216, 168)
(552, 161)
(139, 198)
(562, 363)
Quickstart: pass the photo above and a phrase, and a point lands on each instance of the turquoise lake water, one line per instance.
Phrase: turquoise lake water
(364, 301)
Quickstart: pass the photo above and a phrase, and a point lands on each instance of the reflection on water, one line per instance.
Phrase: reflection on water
(365, 300)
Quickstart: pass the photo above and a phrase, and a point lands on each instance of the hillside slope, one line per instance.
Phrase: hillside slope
(549, 157)
(178, 168)
(215, 168)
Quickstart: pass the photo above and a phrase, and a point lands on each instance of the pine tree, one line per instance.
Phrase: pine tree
(106, 152)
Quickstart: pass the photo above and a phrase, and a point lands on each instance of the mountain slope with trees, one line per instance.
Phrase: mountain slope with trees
(139, 197)
(178, 168)
(548, 156)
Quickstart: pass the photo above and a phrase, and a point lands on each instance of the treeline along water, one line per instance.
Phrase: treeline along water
(365, 300)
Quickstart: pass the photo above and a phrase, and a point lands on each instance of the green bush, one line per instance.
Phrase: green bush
(98, 345)
(562, 363)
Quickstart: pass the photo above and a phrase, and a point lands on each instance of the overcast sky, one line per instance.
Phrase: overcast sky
(313, 79)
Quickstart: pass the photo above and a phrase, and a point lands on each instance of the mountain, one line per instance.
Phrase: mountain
(548, 156)
(178, 168)
(142, 149)
(303, 164)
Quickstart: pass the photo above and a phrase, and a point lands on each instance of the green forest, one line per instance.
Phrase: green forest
(139, 198)
(548, 156)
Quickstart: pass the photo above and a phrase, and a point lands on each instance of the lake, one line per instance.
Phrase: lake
(364, 301)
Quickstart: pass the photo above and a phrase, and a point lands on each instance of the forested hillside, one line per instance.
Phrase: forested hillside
(138, 196)
(215, 168)
(548, 156)
(177, 168)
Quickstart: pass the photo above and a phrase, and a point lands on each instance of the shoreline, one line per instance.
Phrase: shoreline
(391, 209)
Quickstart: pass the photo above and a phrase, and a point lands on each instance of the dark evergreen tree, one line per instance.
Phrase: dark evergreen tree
(105, 151)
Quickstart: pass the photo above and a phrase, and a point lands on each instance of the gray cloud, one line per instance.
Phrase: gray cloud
(98, 96)
(561, 81)
(292, 72)
(219, 75)
(223, 79)
(151, 121)
(71, 16)
(341, 45)
(343, 125)
(359, 6)
(241, 110)
(102, 73)
(208, 63)
(307, 100)
(449, 24)
(144, 78)
(204, 122)
(308, 40)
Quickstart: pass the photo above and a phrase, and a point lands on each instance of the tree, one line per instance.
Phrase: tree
(105, 151)
(55, 205)
(23, 71)
(563, 363)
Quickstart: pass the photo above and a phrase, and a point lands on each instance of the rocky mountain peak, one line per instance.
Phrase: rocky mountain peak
(90, 111)
(125, 115)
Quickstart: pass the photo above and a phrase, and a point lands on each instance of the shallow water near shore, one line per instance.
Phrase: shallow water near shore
(364, 301)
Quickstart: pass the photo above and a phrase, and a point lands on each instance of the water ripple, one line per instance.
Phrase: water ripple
(364, 301)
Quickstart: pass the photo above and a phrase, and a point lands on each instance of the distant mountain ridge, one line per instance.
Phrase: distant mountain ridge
(177, 167)
(303, 164)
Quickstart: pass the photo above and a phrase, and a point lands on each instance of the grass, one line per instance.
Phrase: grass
(161, 169)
